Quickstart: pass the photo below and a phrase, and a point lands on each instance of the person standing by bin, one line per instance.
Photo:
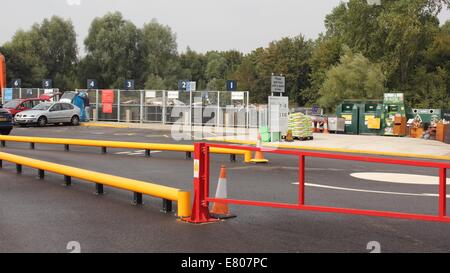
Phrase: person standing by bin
(87, 106)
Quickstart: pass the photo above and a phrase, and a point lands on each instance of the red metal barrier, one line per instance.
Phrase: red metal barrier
(200, 210)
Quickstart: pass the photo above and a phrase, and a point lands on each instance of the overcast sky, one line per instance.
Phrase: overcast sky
(201, 24)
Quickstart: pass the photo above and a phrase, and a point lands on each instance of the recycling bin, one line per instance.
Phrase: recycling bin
(350, 112)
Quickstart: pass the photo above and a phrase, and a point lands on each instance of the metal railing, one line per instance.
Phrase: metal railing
(168, 194)
(148, 147)
(200, 211)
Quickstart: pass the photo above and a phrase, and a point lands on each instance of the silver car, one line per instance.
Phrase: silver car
(49, 112)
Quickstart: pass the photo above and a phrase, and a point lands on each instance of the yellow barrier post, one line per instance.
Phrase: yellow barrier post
(184, 204)
(101, 179)
(188, 149)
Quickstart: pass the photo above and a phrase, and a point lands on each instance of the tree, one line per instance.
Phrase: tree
(193, 66)
(247, 75)
(429, 89)
(290, 57)
(114, 48)
(326, 53)
(155, 82)
(58, 51)
(159, 48)
(47, 50)
(355, 77)
(23, 60)
(217, 66)
(394, 34)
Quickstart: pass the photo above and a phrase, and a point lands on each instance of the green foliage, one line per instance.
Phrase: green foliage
(355, 77)
(48, 50)
(401, 35)
(193, 66)
(366, 50)
(155, 82)
(113, 47)
(159, 50)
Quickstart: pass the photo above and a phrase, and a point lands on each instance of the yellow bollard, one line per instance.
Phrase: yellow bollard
(184, 204)
(248, 156)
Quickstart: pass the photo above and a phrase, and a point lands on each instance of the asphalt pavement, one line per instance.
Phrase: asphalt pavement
(44, 216)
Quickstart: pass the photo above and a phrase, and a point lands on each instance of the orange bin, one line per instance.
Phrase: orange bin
(441, 128)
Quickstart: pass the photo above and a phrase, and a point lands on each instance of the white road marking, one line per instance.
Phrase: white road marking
(125, 134)
(150, 136)
(369, 191)
(122, 153)
(401, 178)
(137, 152)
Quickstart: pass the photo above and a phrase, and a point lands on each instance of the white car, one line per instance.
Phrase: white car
(48, 113)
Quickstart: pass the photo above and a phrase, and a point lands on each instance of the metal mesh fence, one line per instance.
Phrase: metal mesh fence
(25, 93)
(153, 106)
(210, 108)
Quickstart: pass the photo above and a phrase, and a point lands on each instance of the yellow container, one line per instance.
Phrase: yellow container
(374, 123)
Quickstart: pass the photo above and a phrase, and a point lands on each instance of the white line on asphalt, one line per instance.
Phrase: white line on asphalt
(122, 153)
(124, 134)
(149, 136)
(137, 152)
(401, 178)
(369, 191)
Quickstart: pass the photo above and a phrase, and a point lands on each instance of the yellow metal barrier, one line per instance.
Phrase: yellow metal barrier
(168, 193)
(120, 144)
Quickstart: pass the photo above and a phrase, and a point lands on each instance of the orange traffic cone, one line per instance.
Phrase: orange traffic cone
(221, 210)
(259, 156)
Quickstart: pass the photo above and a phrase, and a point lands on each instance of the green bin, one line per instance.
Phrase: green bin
(350, 112)
(369, 110)
(265, 134)
(427, 115)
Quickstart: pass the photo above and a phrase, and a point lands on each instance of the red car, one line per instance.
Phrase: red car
(19, 105)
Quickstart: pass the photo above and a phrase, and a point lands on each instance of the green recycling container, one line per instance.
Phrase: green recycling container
(427, 115)
(350, 112)
(368, 110)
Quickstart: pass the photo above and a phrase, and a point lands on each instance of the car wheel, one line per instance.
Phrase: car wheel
(6, 132)
(75, 121)
(42, 121)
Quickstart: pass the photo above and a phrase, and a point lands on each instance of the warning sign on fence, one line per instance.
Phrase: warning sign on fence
(107, 101)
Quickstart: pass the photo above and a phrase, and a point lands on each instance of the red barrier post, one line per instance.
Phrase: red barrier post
(442, 192)
(200, 208)
(301, 180)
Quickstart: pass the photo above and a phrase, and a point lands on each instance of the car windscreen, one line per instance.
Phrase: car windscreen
(42, 106)
(12, 104)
